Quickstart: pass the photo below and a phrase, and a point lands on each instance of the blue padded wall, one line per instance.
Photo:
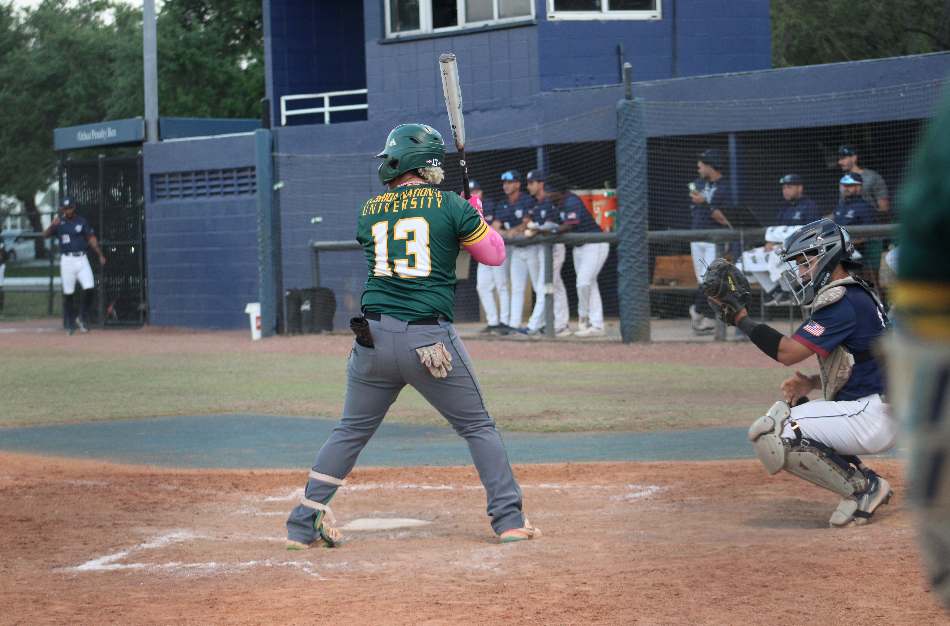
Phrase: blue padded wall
(202, 253)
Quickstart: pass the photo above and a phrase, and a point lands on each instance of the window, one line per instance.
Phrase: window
(416, 17)
(604, 10)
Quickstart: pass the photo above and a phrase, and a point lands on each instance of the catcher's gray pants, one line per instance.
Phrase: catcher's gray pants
(374, 378)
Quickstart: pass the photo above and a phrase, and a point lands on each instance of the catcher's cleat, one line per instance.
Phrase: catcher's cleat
(521, 534)
(327, 537)
(857, 509)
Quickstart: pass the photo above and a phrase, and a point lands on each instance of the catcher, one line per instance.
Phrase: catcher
(819, 441)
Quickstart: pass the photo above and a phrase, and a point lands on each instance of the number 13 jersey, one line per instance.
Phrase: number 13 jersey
(411, 237)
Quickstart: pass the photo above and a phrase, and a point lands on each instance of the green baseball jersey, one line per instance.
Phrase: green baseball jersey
(411, 236)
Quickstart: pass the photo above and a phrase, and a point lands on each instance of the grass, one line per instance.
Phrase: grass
(30, 304)
(539, 397)
(29, 271)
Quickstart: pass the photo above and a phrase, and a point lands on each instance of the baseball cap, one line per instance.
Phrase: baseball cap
(791, 179)
(555, 183)
(845, 151)
(711, 157)
(537, 175)
(67, 202)
(473, 185)
(851, 179)
(511, 175)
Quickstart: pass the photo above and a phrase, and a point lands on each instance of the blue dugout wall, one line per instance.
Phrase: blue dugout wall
(201, 229)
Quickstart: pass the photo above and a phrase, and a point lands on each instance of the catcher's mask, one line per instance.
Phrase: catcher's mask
(811, 255)
(409, 147)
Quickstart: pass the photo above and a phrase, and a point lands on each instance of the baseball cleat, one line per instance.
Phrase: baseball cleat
(878, 493)
(327, 537)
(70, 330)
(590, 331)
(564, 332)
(856, 510)
(82, 326)
(525, 533)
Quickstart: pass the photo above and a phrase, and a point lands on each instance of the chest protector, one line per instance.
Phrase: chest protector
(836, 368)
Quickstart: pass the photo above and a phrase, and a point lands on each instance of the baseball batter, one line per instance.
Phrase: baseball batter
(819, 440)
(75, 237)
(411, 236)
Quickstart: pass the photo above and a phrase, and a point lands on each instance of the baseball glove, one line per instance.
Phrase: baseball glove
(726, 288)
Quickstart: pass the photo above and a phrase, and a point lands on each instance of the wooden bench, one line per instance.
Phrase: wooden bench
(674, 271)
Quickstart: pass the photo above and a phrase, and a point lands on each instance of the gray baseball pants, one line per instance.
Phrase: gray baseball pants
(374, 378)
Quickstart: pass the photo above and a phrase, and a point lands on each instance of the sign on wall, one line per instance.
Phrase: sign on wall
(101, 134)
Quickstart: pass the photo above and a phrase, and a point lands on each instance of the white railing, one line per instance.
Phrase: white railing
(326, 109)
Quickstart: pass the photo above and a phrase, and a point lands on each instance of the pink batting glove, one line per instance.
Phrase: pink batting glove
(476, 202)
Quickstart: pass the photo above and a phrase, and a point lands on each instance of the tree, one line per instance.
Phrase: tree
(81, 63)
(809, 32)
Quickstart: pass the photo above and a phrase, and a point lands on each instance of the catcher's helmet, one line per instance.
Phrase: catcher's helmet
(824, 245)
(408, 147)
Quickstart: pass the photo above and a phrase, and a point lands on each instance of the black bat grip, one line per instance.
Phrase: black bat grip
(360, 328)
(465, 191)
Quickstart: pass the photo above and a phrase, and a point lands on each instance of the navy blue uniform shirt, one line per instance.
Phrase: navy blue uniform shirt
(73, 235)
(854, 212)
(799, 213)
(853, 321)
(510, 215)
(488, 210)
(574, 211)
(544, 211)
(715, 194)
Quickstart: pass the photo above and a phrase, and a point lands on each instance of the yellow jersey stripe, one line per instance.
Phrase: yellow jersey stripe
(480, 233)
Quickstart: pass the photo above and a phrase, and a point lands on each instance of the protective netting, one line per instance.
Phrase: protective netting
(758, 144)
(755, 144)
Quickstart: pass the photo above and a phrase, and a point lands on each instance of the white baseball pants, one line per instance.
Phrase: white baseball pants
(588, 260)
(561, 312)
(525, 263)
(495, 278)
(703, 253)
(73, 268)
(858, 427)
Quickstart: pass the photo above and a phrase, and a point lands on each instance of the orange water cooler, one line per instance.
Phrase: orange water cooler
(602, 204)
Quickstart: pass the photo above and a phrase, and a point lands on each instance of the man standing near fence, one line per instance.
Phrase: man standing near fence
(75, 237)
(490, 279)
(509, 220)
(589, 258)
(546, 220)
(707, 193)
(526, 263)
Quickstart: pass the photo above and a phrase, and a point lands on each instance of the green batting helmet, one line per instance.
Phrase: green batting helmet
(408, 147)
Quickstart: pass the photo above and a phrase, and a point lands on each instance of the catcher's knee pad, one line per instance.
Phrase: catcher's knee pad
(766, 437)
(819, 465)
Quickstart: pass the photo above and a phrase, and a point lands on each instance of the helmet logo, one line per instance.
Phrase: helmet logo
(392, 142)
(434, 162)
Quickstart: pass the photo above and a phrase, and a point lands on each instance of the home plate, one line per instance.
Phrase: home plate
(388, 523)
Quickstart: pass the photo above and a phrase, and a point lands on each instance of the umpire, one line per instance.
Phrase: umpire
(411, 236)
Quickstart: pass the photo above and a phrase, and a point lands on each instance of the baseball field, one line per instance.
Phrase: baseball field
(85, 539)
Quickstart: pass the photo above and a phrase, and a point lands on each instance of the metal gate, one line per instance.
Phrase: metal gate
(108, 193)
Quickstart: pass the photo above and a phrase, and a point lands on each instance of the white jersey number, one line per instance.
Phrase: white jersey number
(415, 230)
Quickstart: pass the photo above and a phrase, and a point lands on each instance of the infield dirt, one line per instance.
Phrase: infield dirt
(633, 543)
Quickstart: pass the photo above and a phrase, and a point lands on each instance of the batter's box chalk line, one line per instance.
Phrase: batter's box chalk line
(639, 492)
(109, 563)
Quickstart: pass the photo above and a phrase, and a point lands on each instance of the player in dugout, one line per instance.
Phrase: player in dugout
(819, 440)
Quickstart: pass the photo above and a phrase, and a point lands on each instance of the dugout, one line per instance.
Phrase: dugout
(768, 123)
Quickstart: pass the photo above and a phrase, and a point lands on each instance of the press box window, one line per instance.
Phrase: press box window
(415, 17)
(604, 10)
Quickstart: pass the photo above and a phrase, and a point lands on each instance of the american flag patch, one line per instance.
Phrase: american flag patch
(814, 328)
(572, 216)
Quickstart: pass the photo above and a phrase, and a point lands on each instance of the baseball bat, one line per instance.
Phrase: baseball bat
(453, 104)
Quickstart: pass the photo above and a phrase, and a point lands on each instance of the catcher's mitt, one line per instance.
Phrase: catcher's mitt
(726, 288)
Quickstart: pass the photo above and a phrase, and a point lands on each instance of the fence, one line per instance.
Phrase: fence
(662, 308)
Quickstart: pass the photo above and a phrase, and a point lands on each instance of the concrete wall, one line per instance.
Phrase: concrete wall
(201, 253)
